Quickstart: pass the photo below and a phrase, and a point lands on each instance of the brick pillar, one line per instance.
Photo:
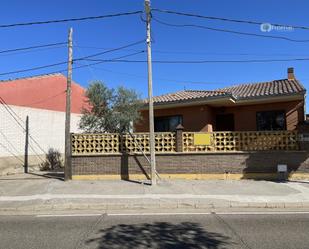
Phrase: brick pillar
(303, 136)
(179, 131)
(303, 141)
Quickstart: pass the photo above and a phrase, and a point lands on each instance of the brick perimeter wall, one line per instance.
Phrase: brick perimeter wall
(180, 163)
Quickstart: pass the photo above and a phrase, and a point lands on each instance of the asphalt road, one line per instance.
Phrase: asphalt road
(156, 231)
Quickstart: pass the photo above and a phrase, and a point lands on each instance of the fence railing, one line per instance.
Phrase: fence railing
(89, 144)
(134, 143)
(243, 141)
(168, 142)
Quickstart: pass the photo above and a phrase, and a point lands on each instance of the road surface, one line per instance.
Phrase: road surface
(121, 231)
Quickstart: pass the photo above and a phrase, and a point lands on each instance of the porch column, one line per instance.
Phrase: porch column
(209, 128)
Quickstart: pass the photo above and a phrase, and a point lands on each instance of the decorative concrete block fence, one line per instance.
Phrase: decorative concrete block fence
(179, 141)
(190, 155)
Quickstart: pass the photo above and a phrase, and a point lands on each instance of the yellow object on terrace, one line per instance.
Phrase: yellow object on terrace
(202, 139)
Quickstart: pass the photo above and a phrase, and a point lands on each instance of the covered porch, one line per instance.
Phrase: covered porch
(225, 116)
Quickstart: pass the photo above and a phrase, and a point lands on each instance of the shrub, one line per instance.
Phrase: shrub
(53, 160)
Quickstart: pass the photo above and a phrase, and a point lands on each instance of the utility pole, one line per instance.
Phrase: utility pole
(150, 99)
(26, 145)
(67, 160)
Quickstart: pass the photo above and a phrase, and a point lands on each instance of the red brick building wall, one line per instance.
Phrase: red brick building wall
(245, 116)
(195, 118)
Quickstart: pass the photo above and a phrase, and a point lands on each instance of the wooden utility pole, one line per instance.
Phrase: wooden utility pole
(150, 99)
(26, 145)
(67, 162)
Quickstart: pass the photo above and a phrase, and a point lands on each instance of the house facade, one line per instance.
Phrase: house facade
(205, 147)
(273, 105)
(43, 100)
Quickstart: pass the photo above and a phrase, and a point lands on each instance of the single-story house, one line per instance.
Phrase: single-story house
(43, 100)
(273, 105)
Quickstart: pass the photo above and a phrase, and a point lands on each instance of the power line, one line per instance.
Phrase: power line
(70, 19)
(82, 58)
(109, 60)
(158, 78)
(112, 50)
(32, 51)
(80, 50)
(9, 142)
(9, 109)
(160, 51)
(227, 31)
(82, 66)
(227, 19)
(10, 152)
(14, 115)
(115, 58)
(17, 152)
(203, 61)
(38, 75)
(33, 68)
(120, 60)
(38, 156)
(46, 99)
(32, 47)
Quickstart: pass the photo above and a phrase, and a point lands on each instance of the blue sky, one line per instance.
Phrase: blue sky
(170, 43)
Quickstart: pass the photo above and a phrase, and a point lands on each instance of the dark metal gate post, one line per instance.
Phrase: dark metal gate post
(26, 145)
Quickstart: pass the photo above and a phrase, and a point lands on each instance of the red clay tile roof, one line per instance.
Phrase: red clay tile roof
(187, 95)
(265, 89)
(243, 91)
(43, 92)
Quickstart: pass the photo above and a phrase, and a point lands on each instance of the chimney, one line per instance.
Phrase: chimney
(291, 75)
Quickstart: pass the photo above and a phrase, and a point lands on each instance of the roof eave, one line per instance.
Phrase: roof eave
(272, 98)
(191, 102)
(273, 95)
(230, 99)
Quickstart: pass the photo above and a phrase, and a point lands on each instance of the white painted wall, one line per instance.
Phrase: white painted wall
(45, 126)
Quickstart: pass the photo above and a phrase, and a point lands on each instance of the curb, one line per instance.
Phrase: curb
(147, 205)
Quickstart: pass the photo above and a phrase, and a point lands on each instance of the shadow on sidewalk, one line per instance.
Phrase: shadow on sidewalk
(52, 175)
(187, 235)
(34, 176)
(137, 181)
(125, 172)
(298, 181)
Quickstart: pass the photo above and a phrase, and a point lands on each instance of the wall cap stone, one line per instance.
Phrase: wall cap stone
(194, 153)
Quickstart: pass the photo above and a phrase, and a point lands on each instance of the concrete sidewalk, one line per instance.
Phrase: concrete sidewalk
(39, 193)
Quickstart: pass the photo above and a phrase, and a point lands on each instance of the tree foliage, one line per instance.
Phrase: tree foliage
(110, 110)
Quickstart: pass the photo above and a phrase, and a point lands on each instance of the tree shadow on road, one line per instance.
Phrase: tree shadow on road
(158, 235)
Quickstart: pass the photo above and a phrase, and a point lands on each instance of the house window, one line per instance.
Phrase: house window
(168, 123)
(270, 120)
